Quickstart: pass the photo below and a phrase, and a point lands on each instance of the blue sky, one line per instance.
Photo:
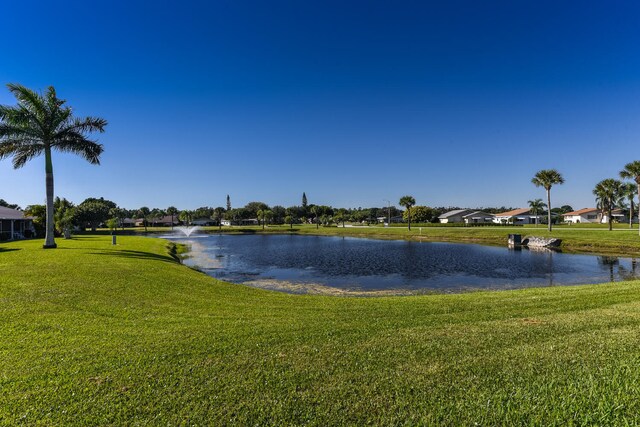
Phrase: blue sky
(456, 103)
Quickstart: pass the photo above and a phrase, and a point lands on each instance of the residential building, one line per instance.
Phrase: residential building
(15, 225)
(520, 216)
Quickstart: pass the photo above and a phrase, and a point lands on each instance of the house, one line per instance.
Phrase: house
(618, 215)
(204, 222)
(394, 219)
(14, 225)
(164, 221)
(478, 217)
(584, 215)
(250, 221)
(456, 215)
(594, 216)
(517, 217)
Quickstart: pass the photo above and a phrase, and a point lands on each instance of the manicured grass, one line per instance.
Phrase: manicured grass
(99, 335)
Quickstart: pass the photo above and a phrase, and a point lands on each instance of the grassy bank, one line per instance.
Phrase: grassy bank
(103, 335)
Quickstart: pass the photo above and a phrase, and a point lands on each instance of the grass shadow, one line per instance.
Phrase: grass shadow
(137, 255)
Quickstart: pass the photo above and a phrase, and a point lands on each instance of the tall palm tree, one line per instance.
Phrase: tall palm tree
(407, 202)
(536, 207)
(39, 124)
(632, 171)
(547, 178)
(628, 190)
(608, 194)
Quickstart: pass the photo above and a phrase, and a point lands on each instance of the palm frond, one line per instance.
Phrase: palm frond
(28, 98)
(85, 148)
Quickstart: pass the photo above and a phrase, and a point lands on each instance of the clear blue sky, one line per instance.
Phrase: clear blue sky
(456, 103)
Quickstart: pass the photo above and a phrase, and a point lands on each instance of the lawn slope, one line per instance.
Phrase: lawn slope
(100, 335)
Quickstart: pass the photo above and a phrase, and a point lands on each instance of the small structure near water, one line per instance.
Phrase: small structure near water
(533, 241)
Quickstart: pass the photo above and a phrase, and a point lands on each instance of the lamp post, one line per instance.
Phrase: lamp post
(388, 212)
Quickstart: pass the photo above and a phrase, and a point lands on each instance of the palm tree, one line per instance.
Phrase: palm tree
(547, 178)
(632, 171)
(536, 207)
(407, 202)
(39, 124)
(628, 190)
(173, 211)
(608, 193)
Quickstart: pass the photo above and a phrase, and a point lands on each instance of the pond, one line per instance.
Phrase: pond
(322, 264)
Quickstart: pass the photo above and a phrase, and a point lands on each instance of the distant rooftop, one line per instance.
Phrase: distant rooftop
(8, 213)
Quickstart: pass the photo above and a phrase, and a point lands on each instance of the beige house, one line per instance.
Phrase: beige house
(517, 216)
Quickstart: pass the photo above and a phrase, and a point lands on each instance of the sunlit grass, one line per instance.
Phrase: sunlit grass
(99, 334)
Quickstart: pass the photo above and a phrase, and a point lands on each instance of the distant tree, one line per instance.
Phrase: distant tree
(143, 213)
(315, 210)
(289, 220)
(279, 212)
(419, 214)
(252, 208)
(304, 201)
(9, 205)
(173, 211)
(228, 203)
(629, 190)
(112, 224)
(632, 171)
(155, 215)
(218, 215)
(186, 216)
(608, 194)
(39, 124)
(260, 216)
(92, 212)
(120, 214)
(566, 209)
(536, 206)
(408, 202)
(39, 215)
(64, 215)
(547, 178)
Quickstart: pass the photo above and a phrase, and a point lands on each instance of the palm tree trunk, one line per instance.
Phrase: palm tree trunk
(49, 239)
(409, 216)
(549, 208)
(638, 182)
(610, 219)
(631, 213)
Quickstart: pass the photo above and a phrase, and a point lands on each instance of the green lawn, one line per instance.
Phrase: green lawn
(99, 335)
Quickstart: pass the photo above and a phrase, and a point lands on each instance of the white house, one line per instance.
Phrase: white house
(594, 216)
(517, 216)
(456, 215)
(478, 217)
(582, 216)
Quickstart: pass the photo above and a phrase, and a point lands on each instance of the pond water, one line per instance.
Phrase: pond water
(309, 263)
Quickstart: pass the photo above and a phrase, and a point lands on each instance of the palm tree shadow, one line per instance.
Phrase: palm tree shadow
(136, 255)
(9, 249)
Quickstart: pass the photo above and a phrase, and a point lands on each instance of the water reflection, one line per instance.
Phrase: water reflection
(349, 263)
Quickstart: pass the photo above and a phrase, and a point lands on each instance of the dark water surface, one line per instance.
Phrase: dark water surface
(378, 265)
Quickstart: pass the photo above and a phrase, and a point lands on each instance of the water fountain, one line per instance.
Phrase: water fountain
(187, 231)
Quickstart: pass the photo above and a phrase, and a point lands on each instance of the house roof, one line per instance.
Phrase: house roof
(514, 212)
(478, 214)
(453, 213)
(8, 213)
(581, 211)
